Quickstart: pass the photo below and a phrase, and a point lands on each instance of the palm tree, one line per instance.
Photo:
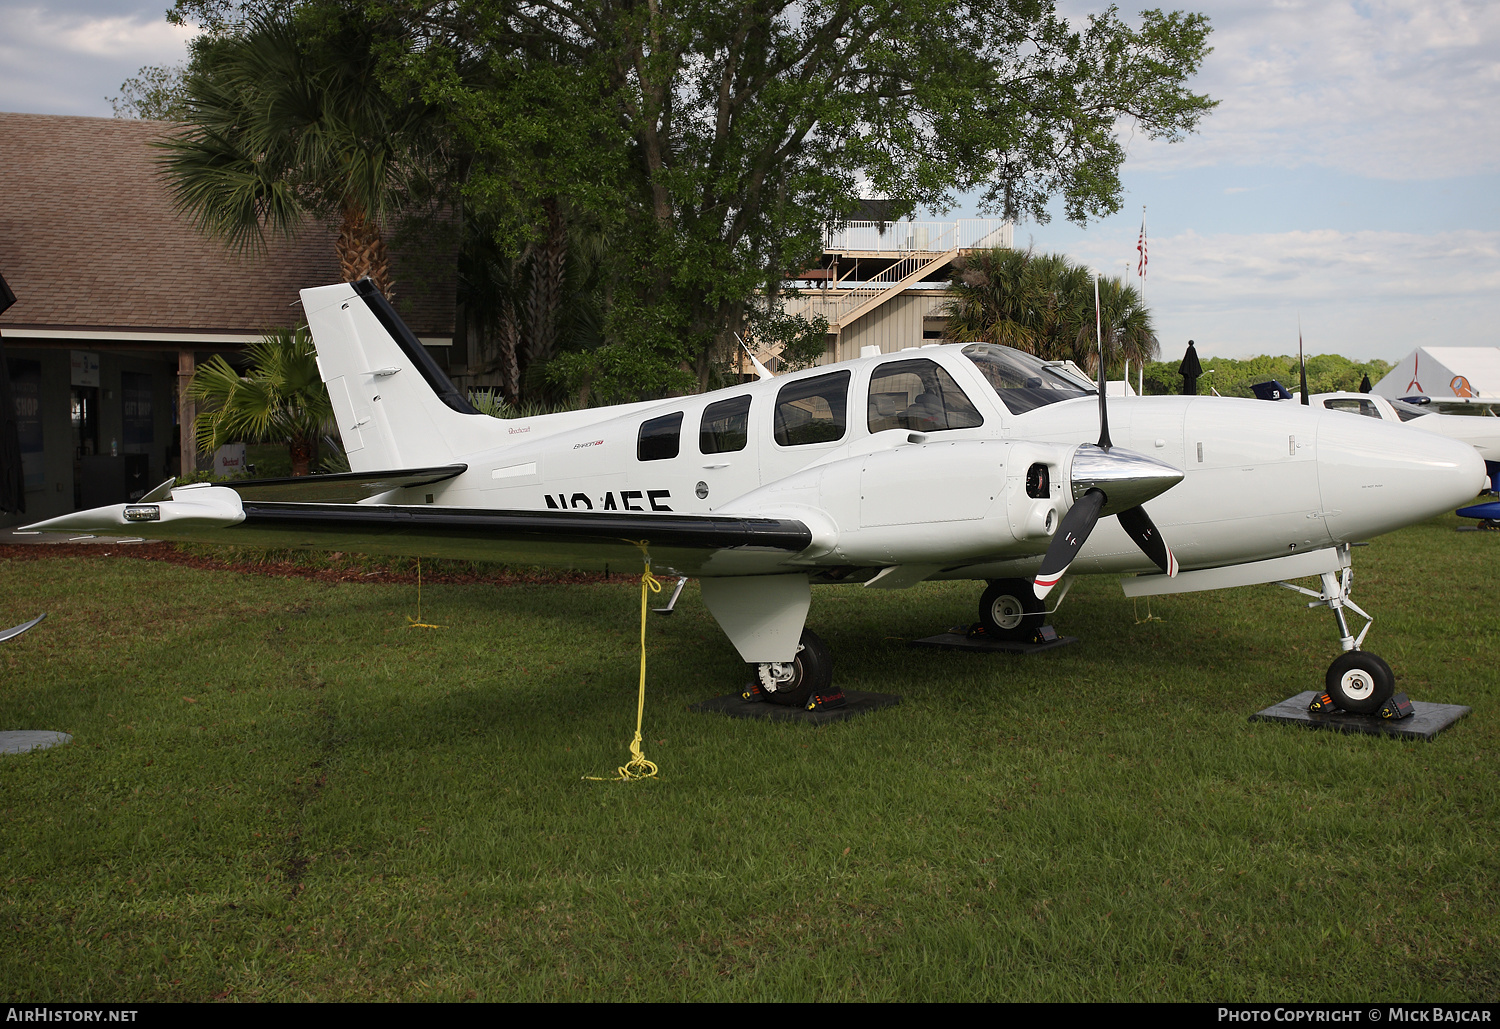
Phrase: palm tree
(280, 400)
(1124, 324)
(997, 298)
(1044, 304)
(283, 124)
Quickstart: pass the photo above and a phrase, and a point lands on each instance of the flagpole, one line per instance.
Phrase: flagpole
(1140, 271)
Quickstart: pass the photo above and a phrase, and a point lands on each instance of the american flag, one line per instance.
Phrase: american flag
(1140, 246)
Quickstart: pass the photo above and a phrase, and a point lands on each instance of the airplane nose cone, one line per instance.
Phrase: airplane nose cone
(1126, 478)
(1375, 477)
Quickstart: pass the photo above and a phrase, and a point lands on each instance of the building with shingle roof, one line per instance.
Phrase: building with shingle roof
(118, 298)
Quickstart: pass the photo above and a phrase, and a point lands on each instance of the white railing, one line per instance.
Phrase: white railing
(921, 236)
(838, 302)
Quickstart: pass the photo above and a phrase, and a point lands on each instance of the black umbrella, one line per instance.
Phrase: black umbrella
(1190, 370)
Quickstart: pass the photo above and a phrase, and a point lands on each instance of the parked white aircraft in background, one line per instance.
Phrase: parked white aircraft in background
(1482, 433)
(945, 462)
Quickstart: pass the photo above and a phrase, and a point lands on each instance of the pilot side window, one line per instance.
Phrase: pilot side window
(659, 437)
(918, 395)
(725, 427)
(812, 410)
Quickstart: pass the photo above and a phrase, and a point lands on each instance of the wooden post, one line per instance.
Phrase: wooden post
(187, 414)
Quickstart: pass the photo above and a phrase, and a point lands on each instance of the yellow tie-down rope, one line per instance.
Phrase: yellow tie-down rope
(638, 767)
(417, 623)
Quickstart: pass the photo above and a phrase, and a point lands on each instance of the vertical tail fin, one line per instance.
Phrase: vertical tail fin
(394, 406)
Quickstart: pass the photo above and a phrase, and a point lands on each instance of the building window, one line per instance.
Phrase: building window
(812, 410)
(659, 438)
(725, 427)
(918, 395)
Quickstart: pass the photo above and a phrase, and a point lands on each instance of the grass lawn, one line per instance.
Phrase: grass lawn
(276, 790)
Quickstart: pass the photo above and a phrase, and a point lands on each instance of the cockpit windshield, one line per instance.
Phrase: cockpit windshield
(1406, 412)
(1021, 381)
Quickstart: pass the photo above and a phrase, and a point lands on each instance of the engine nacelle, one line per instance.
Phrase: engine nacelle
(970, 498)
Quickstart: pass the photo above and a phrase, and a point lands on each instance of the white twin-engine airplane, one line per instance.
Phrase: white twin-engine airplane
(945, 462)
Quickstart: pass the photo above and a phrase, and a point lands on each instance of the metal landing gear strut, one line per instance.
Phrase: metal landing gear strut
(1359, 682)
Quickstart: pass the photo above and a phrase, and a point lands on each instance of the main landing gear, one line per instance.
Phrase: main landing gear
(805, 681)
(1010, 611)
(1359, 682)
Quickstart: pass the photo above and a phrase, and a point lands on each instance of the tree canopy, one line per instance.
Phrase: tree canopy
(711, 144)
(722, 139)
(286, 118)
(1326, 373)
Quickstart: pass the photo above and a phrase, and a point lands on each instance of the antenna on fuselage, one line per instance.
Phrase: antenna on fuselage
(1302, 360)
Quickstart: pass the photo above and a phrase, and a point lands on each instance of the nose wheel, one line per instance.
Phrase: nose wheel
(1359, 682)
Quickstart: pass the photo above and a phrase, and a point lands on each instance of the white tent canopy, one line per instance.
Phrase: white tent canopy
(1445, 373)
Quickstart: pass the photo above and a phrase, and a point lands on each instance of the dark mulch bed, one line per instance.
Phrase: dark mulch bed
(329, 569)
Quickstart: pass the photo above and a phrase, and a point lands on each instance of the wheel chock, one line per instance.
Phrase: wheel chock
(827, 701)
(1322, 702)
(1398, 707)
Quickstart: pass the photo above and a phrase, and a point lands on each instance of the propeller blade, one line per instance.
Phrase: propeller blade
(1071, 534)
(1137, 523)
(1104, 440)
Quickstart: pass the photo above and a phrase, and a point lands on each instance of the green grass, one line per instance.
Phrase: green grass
(278, 791)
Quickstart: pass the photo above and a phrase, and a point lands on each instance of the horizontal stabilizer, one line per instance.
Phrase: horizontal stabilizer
(341, 487)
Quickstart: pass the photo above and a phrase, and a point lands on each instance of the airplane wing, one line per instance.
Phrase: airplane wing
(583, 540)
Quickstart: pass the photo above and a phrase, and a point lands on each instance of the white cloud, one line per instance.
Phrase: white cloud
(1362, 294)
(140, 37)
(67, 62)
(1402, 89)
(113, 37)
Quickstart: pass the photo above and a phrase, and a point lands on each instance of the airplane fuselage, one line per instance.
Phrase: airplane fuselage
(1260, 481)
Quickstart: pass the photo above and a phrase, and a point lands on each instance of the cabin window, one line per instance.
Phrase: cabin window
(812, 410)
(1352, 405)
(918, 395)
(725, 427)
(659, 438)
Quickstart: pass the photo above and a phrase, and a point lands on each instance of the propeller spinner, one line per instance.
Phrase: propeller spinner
(1108, 480)
(1105, 482)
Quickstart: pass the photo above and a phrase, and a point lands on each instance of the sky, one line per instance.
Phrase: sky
(1349, 178)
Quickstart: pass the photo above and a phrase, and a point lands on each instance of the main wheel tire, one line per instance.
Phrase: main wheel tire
(812, 673)
(1360, 682)
(1009, 610)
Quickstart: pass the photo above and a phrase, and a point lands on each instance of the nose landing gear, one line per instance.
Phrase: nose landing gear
(1359, 682)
